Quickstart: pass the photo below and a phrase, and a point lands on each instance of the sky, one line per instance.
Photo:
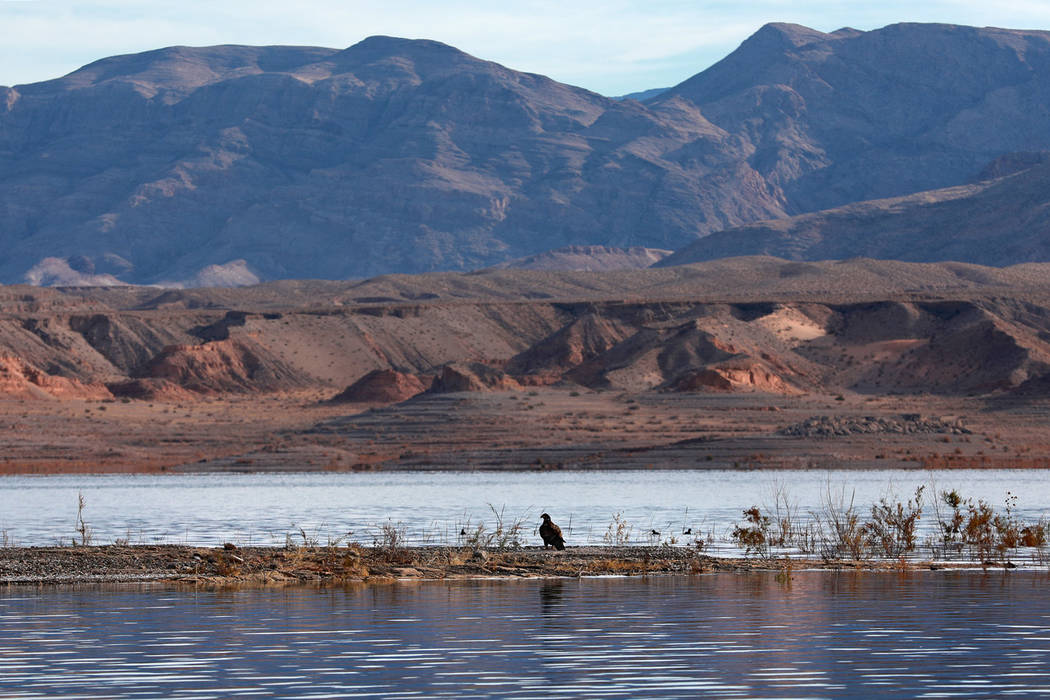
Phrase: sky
(610, 46)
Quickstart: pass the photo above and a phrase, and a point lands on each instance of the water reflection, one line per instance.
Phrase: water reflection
(817, 635)
(550, 597)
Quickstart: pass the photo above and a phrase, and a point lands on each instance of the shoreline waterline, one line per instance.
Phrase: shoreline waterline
(325, 566)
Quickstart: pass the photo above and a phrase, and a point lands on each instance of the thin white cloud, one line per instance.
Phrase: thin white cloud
(612, 46)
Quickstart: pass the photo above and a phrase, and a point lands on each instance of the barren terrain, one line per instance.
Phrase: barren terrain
(743, 363)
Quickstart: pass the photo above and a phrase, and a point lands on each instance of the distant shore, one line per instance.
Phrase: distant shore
(261, 566)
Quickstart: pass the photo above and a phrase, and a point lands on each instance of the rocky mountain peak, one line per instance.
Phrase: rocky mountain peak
(381, 46)
(781, 36)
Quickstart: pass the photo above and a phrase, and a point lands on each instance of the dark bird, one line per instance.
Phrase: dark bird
(655, 533)
(551, 533)
(687, 531)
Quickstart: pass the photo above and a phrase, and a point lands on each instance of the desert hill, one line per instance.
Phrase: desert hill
(734, 363)
(232, 164)
(748, 324)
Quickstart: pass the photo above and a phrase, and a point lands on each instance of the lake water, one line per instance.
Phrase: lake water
(932, 634)
(433, 507)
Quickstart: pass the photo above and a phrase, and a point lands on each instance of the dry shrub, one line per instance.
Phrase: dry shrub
(619, 531)
(839, 529)
(294, 557)
(952, 529)
(1033, 535)
(986, 532)
(391, 537)
(477, 538)
(786, 529)
(1007, 528)
(228, 566)
(508, 534)
(754, 535)
(978, 531)
(891, 530)
(617, 566)
(351, 566)
(696, 566)
(86, 534)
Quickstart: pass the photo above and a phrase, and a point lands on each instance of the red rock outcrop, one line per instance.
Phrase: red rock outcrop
(19, 379)
(742, 375)
(472, 376)
(224, 366)
(383, 386)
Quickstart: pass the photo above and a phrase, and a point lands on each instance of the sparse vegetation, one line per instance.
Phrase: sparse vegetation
(891, 532)
(508, 534)
(475, 538)
(966, 530)
(978, 532)
(945, 528)
(753, 536)
(619, 531)
(839, 528)
(785, 524)
(951, 526)
(86, 535)
(391, 537)
(229, 565)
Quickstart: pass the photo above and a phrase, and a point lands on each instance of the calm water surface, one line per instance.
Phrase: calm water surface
(818, 635)
(433, 507)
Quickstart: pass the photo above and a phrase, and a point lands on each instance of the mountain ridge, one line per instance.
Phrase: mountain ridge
(1000, 221)
(398, 155)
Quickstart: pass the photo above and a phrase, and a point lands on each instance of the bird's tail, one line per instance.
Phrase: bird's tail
(559, 544)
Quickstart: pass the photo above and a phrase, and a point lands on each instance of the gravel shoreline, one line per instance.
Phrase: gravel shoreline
(258, 566)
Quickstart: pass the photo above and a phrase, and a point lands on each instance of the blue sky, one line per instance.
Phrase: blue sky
(612, 46)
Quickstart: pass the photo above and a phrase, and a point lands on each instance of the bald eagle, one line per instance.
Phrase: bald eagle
(551, 533)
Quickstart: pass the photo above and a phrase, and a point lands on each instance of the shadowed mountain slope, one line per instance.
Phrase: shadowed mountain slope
(392, 155)
(996, 222)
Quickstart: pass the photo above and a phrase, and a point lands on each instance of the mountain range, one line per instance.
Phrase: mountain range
(235, 164)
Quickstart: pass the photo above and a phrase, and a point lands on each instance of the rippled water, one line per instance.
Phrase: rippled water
(433, 507)
(819, 635)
